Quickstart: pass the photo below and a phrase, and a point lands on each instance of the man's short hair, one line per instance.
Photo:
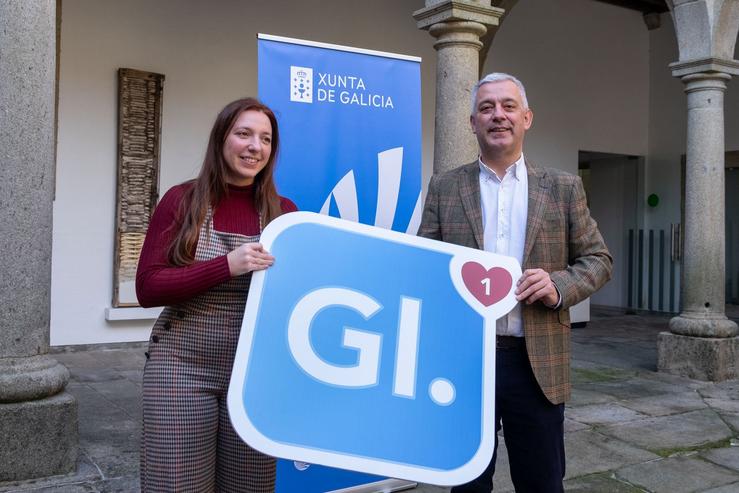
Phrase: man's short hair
(498, 77)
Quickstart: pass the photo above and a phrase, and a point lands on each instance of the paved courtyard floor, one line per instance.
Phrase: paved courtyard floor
(628, 428)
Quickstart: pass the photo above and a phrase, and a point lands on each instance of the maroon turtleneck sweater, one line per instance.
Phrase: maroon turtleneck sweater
(157, 282)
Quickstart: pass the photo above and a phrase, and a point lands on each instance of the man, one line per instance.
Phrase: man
(504, 204)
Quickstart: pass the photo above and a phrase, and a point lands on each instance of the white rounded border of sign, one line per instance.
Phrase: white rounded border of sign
(250, 434)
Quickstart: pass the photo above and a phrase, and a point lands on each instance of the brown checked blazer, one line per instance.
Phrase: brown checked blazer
(561, 238)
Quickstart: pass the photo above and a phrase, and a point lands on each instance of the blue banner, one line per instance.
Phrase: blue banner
(350, 129)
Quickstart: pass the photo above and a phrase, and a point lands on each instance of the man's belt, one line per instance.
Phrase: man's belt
(510, 342)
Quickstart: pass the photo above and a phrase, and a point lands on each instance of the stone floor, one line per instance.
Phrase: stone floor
(628, 428)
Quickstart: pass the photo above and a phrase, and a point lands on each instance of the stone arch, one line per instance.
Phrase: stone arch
(705, 29)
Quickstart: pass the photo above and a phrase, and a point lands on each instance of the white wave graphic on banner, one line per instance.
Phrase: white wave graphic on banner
(389, 168)
(389, 171)
(415, 220)
(345, 194)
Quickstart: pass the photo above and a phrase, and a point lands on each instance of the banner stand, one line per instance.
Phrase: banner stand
(385, 486)
(350, 128)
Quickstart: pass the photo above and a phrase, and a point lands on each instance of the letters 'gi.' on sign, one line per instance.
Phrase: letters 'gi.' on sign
(371, 350)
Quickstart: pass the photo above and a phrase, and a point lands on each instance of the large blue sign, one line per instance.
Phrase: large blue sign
(371, 350)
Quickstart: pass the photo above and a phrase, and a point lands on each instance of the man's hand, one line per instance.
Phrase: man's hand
(535, 285)
(247, 258)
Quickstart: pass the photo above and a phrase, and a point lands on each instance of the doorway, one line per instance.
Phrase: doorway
(732, 234)
(611, 186)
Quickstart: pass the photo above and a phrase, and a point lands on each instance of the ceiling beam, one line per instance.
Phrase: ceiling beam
(643, 6)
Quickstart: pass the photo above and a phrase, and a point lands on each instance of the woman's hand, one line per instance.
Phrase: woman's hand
(247, 258)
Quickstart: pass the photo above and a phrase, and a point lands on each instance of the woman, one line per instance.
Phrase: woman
(197, 259)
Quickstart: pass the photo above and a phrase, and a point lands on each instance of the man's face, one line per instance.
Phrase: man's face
(500, 120)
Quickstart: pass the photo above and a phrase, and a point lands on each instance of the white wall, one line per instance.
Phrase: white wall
(207, 51)
(585, 65)
(668, 129)
(668, 126)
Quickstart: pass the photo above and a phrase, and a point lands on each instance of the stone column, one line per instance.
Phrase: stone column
(38, 420)
(457, 26)
(702, 341)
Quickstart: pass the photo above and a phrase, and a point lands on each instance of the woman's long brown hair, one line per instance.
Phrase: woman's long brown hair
(211, 186)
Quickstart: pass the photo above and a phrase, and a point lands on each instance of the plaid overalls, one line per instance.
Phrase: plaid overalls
(187, 441)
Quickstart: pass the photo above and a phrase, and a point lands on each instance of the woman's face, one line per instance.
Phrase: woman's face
(247, 147)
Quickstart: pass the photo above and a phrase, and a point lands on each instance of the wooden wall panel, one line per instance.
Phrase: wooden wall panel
(139, 136)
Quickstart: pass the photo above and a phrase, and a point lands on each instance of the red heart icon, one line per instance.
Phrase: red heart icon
(488, 286)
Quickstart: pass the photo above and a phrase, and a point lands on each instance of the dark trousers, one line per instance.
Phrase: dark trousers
(533, 429)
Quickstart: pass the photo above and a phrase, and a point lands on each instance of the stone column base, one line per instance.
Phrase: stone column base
(39, 438)
(701, 358)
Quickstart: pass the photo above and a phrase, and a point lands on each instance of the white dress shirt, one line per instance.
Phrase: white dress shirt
(505, 204)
